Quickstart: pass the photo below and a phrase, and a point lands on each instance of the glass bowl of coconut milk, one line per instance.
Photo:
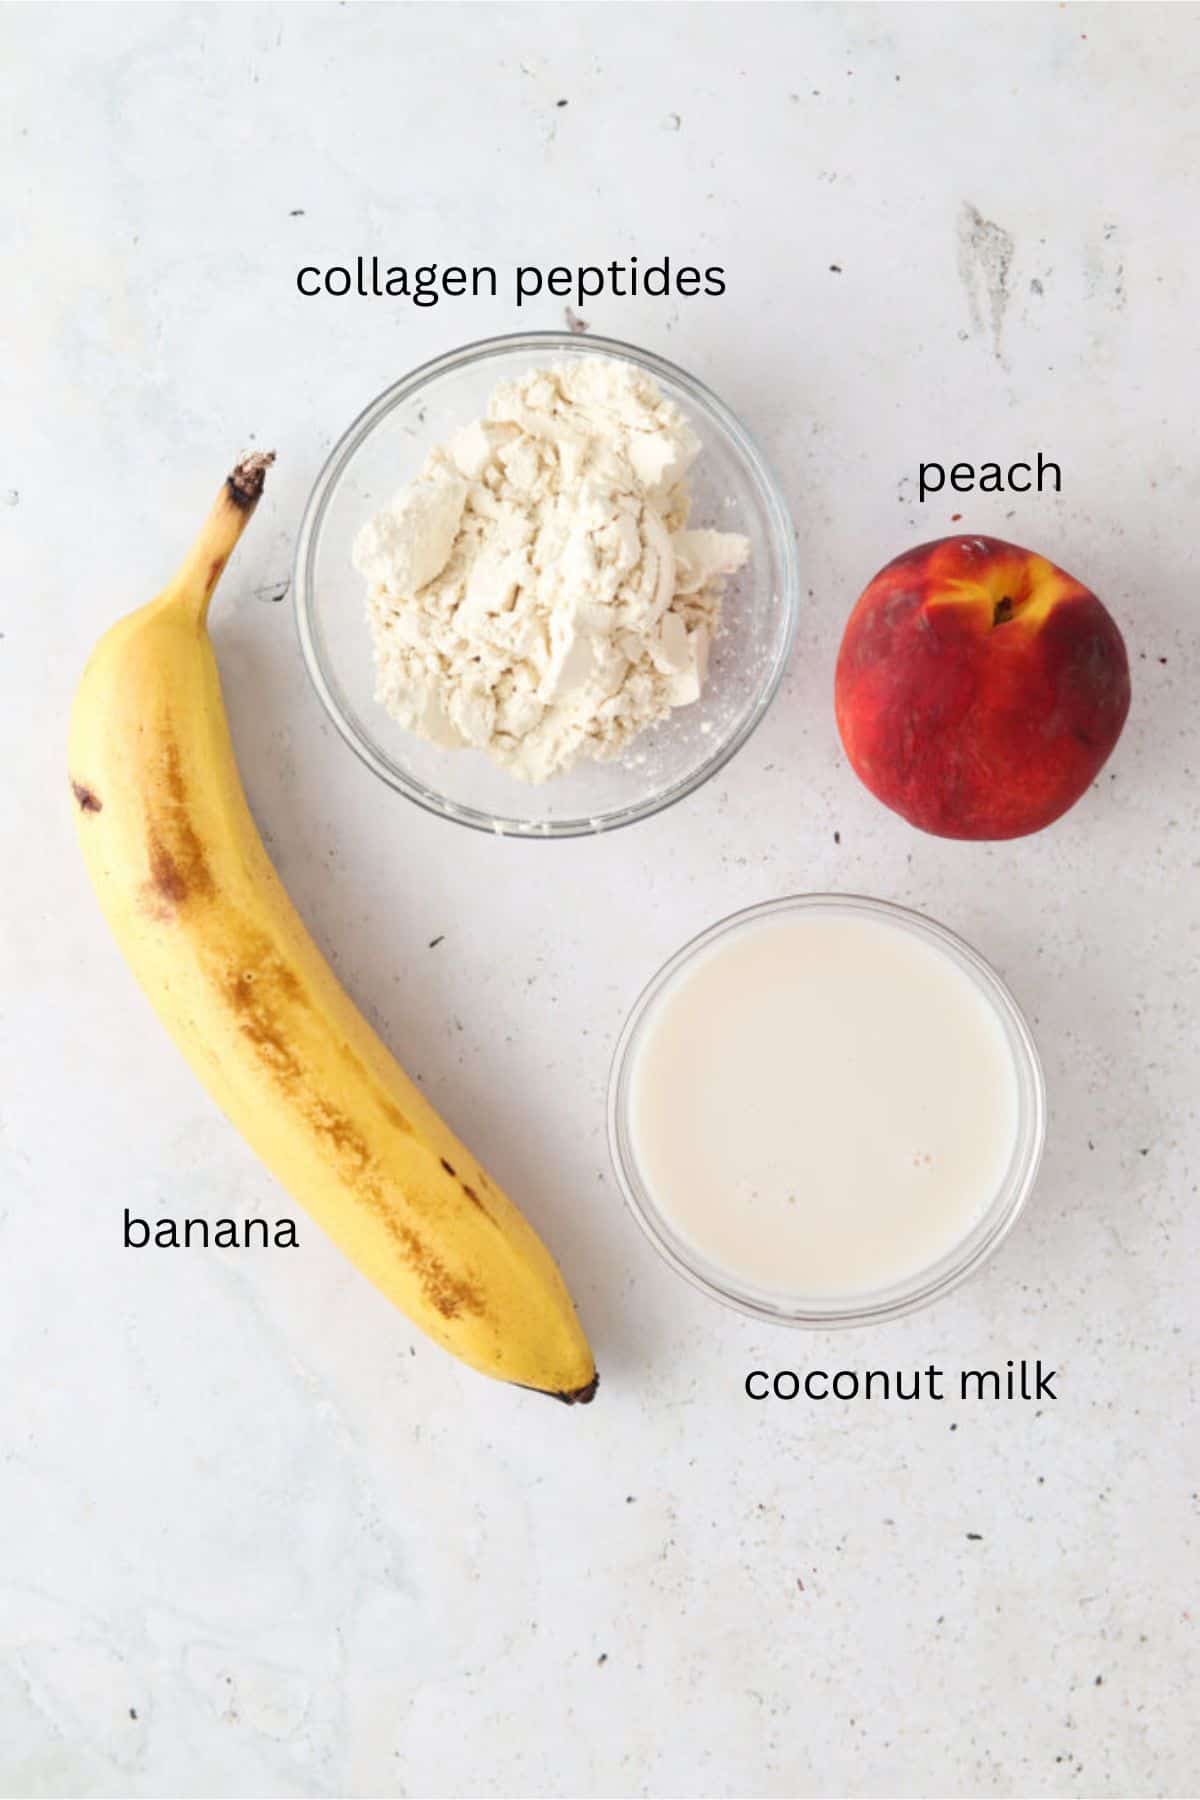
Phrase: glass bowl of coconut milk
(826, 1110)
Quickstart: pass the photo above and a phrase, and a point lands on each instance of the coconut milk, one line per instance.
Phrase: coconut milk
(822, 1103)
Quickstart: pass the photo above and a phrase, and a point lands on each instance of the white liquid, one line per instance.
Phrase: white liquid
(822, 1104)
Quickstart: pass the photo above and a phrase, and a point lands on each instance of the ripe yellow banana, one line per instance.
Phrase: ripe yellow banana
(203, 919)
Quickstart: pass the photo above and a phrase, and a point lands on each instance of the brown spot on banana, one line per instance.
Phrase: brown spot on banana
(448, 1294)
(466, 1187)
(167, 883)
(394, 1116)
(179, 869)
(85, 799)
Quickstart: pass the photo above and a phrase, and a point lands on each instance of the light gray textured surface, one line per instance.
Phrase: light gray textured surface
(239, 1499)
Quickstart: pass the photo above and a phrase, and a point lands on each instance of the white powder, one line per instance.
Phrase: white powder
(536, 592)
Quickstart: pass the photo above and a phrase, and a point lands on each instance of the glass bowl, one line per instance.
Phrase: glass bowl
(733, 490)
(930, 1282)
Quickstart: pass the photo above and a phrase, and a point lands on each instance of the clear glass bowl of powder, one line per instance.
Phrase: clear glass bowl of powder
(732, 490)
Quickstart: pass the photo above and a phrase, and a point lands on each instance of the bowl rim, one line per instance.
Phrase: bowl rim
(780, 531)
(927, 1285)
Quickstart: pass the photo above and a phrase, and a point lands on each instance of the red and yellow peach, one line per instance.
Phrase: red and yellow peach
(979, 688)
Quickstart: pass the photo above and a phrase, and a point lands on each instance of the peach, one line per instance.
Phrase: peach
(979, 688)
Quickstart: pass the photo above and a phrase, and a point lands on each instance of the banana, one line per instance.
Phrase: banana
(205, 923)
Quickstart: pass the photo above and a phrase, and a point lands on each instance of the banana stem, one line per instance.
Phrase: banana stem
(231, 512)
